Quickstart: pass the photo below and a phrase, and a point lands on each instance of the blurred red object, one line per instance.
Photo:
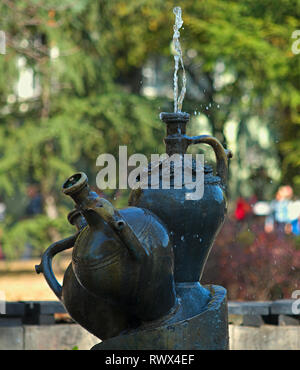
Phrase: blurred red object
(242, 209)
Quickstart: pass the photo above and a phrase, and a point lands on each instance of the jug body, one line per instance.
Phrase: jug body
(192, 224)
(99, 316)
(104, 267)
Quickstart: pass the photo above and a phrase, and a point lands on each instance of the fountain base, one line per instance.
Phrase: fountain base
(186, 329)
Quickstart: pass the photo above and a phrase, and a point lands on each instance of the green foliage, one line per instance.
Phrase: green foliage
(87, 58)
(35, 231)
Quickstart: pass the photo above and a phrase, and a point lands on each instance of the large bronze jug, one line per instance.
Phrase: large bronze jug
(192, 224)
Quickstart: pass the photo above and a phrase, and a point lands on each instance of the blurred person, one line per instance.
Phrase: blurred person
(35, 205)
(279, 214)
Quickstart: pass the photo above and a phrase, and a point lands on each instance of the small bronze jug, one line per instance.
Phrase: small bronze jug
(122, 264)
(83, 307)
(192, 224)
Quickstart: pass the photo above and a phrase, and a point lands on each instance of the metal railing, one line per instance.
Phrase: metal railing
(248, 313)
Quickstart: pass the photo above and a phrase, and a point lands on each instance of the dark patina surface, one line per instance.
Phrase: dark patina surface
(207, 330)
(134, 277)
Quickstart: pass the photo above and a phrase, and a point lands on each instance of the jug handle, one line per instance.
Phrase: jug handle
(222, 155)
(45, 266)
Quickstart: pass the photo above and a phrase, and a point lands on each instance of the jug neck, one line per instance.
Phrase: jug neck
(86, 200)
(176, 140)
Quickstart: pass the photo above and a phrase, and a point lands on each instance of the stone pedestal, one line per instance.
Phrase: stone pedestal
(185, 329)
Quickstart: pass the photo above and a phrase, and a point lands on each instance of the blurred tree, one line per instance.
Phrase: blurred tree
(74, 97)
(86, 61)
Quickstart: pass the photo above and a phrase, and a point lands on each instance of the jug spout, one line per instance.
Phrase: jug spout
(78, 189)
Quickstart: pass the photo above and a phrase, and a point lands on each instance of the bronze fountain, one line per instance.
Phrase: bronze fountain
(134, 279)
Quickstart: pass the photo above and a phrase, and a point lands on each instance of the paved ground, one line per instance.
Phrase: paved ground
(19, 281)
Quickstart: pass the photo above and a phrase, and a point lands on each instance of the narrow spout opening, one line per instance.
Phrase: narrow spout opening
(75, 218)
(171, 117)
(72, 216)
(75, 183)
(176, 122)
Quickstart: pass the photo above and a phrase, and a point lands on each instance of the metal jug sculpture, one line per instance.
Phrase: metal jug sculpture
(193, 224)
(121, 273)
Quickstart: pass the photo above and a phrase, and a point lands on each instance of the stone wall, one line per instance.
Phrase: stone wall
(72, 336)
(46, 337)
(265, 337)
(252, 326)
